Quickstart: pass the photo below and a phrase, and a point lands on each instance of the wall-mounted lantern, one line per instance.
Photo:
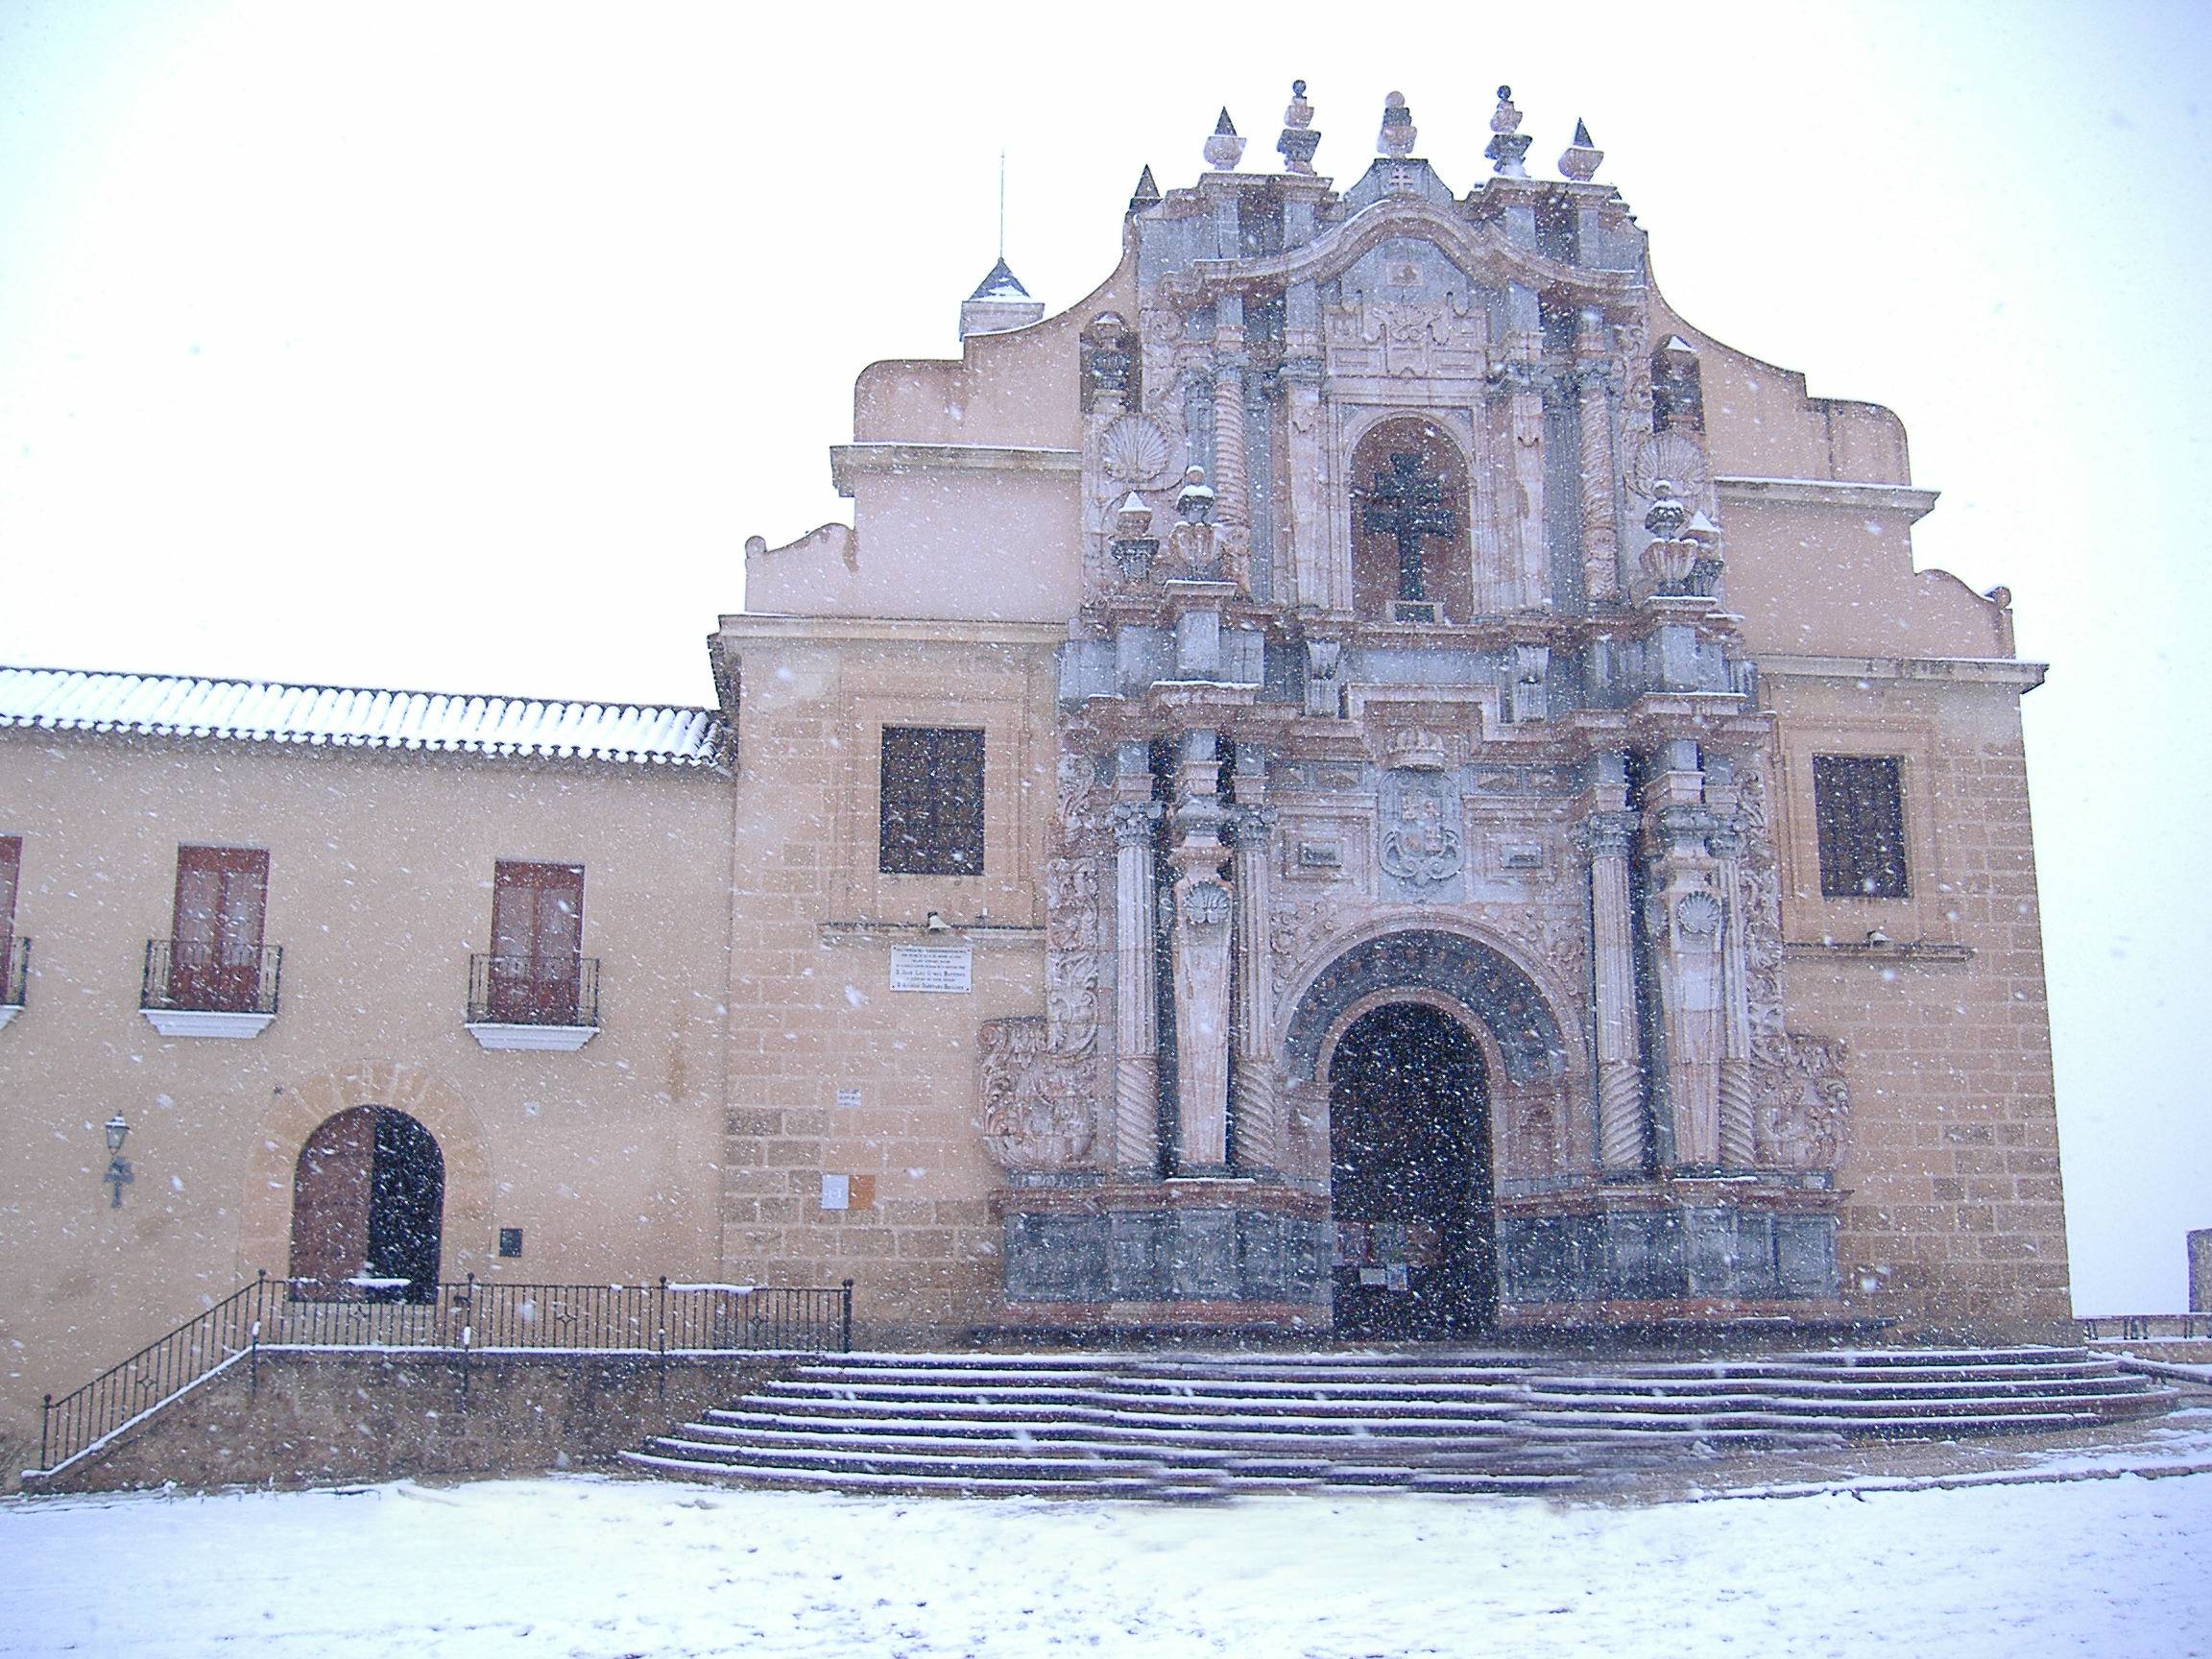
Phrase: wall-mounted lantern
(118, 1175)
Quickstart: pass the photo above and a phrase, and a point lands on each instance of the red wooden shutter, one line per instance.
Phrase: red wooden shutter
(215, 950)
(537, 941)
(11, 874)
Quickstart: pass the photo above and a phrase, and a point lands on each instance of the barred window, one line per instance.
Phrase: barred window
(932, 802)
(1859, 813)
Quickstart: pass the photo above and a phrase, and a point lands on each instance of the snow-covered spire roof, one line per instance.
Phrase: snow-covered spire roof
(1001, 284)
(336, 716)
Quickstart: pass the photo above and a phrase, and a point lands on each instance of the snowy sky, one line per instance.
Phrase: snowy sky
(462, 346)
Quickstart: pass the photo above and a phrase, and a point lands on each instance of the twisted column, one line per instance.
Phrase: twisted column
(1593, 415)
(1232, 500)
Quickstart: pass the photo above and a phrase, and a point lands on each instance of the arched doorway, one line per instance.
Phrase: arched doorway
(368, 1210)
(1409, 1178)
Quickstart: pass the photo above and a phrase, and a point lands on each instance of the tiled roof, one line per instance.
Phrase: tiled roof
(71, 700)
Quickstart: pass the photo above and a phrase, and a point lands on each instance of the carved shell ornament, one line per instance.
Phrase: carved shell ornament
(1699, 915)
(1135, 452)
(1206, 905)
(1675, 457)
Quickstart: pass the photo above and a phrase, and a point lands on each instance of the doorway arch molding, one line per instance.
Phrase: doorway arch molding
(1463, 972)
(299, 1108)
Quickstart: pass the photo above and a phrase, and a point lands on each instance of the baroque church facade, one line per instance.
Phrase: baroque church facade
(1367, 777)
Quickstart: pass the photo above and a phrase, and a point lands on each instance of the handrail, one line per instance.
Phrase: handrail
(471, 1315)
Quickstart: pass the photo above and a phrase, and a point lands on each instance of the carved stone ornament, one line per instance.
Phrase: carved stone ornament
(1135, 452)
(1206, 905)
(1027, 1122)
(1421, 845)
(1805, 1106)
(1699, 915)
(1675, 457)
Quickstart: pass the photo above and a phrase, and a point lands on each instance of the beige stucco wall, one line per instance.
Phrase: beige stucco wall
(380, 888)
(812, 1017)
(1955, 1212)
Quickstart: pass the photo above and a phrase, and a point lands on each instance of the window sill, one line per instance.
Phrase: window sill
(206, 1022)
(534, 1039)
(8, 1012)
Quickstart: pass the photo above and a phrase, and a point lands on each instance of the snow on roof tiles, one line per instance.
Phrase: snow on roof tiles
(73, 700)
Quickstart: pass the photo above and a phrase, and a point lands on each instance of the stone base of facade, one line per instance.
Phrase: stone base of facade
(1206, 1252)
(1677, 1244)
(1702, 1314)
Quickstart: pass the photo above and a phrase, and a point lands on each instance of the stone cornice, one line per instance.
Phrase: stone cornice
(1840, 493)
(1958, 670)
(849, 461)
(898, 630)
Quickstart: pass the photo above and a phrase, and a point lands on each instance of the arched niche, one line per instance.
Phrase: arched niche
(1411, 559)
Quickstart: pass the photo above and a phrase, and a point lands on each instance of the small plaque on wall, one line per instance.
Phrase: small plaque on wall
(932, 968)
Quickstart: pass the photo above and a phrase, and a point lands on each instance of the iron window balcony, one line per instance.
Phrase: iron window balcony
(196, 990)
(523, 1003)
(14, 975)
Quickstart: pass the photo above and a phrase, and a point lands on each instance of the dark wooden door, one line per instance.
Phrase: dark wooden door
(368, 1210)
(1409, 1178)
(215, 950)
(536, 941)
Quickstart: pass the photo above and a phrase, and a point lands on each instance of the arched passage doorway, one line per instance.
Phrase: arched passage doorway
(1409, 1178)
(368, 1209)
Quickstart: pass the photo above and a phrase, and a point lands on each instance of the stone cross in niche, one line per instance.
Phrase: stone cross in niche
(1407, 504)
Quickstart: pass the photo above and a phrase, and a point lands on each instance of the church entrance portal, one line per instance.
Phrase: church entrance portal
(1409, 1178)
(367, 1207)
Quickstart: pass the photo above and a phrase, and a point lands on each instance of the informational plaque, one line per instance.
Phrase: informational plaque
(932, 966)
(848, 1099)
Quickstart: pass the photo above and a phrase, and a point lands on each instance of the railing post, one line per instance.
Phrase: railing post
(45, 1431)
(846, 1334)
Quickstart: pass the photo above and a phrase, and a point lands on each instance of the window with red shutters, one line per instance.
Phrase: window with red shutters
(536, 941)
(215, 940)
(10, 876)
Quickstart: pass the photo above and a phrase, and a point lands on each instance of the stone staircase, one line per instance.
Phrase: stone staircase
(1203, 1425)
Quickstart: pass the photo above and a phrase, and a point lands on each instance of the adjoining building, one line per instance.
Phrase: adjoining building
(1366, 778)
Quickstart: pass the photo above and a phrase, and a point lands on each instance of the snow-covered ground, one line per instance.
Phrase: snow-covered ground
(599, 1567)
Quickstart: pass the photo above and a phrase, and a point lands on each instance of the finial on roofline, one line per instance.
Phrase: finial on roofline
(1224, 149)
(1508, 144)
(1299, 139)
(1581, 159)
(1146, 194)
(1396, 139)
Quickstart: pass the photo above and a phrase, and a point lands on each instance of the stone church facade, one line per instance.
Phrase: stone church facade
(1368, 777)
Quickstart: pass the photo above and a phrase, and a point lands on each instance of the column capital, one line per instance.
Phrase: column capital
(1134, 823)
(1249, 827)
(1606, 834)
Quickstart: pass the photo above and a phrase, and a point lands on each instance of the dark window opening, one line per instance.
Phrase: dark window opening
(1677, 389)
(932, 809)
(1859, 815)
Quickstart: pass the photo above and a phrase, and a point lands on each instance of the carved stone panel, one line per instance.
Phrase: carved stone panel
(1421, 838)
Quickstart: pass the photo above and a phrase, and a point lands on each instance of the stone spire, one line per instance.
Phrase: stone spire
(1224, 149)
(1299, 138)
(1396, 139)
(998, 303)
(1508, 144)
(1146, 194)
(1581, 159)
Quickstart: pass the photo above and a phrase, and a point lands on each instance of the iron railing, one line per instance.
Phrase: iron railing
(526, 991)
(14, 970)
(471, 1316)
(212, 978)
(2145, 1327)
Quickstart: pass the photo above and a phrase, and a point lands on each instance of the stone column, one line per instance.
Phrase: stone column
(1260, 1143)
(1306, 472)
(1739, 1121)
(1594, 413)
(1136, 1006)
(1606, 834)
(1229, 472)
(1524, 430)
(1201, 936)
(1684, 922)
